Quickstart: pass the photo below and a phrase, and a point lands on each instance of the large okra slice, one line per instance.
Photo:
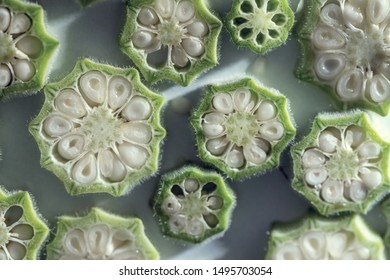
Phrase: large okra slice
(99, 129)
(100, 236)
(22, 231)
(319, 238)
(193, 205)
(345, 50)
(260, 24)
(171, 39)
(342, 165)
(242, 127)
(25, 48)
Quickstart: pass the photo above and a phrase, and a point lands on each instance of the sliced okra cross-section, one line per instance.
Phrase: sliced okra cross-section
(320, 238)
(171, 39)
(100, 236)
(25, 48)
(260, 24)
(345, 50)
(342, 165)
(99, 129)
(242, 127)
(193, 205)
(22, 231)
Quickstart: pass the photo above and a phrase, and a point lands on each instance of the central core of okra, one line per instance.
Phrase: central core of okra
(170, 33)
(7, 47)
(343, 165)
(240, 128)
(3, 234)
(102, 128)
(193, 205)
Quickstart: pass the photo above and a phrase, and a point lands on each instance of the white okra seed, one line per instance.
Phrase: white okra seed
(313, 245)
(214, 118)
(170, 205)
(191, 185)
(332, 191)
(69, 102)
(255, 152)
(288, 252)
(353, 14)
(272, 130)
(329, 65)
(74, 243)
(371, 177)
(24, 70)
(177, 223)
(20, 23)
(235, 158)
(93, 87)
(5, 18)
(84, 171)
(110, 166)
(358, 135)
(242, 99)
(140, 133)
(193, 47)
(338, 243)
(356, 191)
(370, 149)
(223, 103)
(137, 109)
(119, 90)
(71, 146)
(217, 146)
(195, 227)
(379, 89)
(179, 56)
(133, 156)
(5, 75)
(377, 10)
(198, 29)
(214, 202)
(212, 130)
(185, 11)
(24, 231)
(266, 111)
(165, 7)
(313, 158)
(98, 236)
(30, 45)
(331, 14)
(327, 38)
(316, 176)
(142, 39)
(56, 126)
(328, 142)
(147, 16)
(359, 253)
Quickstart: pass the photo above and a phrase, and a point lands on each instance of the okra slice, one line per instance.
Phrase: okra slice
(170, 39)
(319, 238)
(345, 51)
(193, 205)
(100, 236)
(22, 231)
(342, 165)
(242, 127)
(260, 24)
(99, 129)
(25, 48)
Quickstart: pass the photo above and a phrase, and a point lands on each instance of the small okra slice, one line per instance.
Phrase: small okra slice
(99, 129)
(344, 50)
(25, 48)
(242, 127)
(320, 238)
(22, 231)
(100, 236)
(260, 24)
(170, 39)
(193, 205)
(342, 165)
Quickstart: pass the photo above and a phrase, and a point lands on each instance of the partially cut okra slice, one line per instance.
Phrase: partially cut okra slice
(171, 39)
(99, 129)
(319, 238)
(193, 205)
(100, 236)
(25, 48)
(345, 50)
(22, 231)
(342, 165)
(260, 24)
(242, 127)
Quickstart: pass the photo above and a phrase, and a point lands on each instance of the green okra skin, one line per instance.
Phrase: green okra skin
(320, 238)
(342, 164)
(171, 39)
(101, 236)
(99, 129)
(260, 25)
(242, 127)
(193, 205)
(25, 48)
(22, 230)
(343, 50)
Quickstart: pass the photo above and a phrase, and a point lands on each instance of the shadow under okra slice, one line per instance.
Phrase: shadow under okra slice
(99, 129)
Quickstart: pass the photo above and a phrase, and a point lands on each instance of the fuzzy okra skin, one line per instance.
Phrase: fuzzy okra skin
(344, 51)
(320, 238)
(171, 39)
(100, 236)
(99, 129)
(193, 205)
(242, 127)
(22, 231)
(260, 25)
(25, 48)
(342, 164)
